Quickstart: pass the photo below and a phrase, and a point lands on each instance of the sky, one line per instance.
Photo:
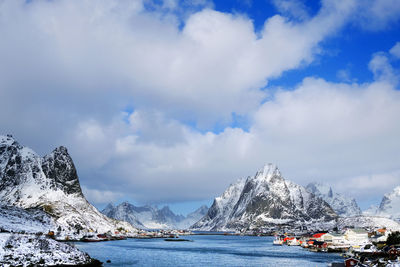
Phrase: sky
(169, 101)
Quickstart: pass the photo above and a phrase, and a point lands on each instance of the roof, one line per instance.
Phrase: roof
(358, 231)
(318, 235)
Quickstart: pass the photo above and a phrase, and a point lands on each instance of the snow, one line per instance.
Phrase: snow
(341, 204)
(372, 222)
(28, 250)
(390, 205)
(13, 219)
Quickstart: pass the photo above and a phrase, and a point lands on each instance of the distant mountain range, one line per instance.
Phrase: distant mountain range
(265, 199)
(344, 206)
(50, 184)
(150, 217)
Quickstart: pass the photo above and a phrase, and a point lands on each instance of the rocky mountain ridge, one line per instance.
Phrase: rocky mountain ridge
(265, 199)
(50, 183)
(151, 217)
(341, 204)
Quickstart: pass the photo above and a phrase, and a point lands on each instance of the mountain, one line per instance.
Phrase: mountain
(390, 205)
(50, 183)
(193, 217)
(151, 217)
(341, 204)
(265, 199)
(371, 211)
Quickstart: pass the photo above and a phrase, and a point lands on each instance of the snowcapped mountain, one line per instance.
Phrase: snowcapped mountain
(390, 205)
(193, 217)
(150, 217)
(264, 199)
(341, 204)
(50, 183)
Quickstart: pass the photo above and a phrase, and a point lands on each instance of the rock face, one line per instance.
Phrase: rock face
(149, 217)
(50, 183)
(264, 199)
(341, 204)
(390, 205)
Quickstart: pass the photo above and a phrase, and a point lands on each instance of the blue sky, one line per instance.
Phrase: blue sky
(170, 101)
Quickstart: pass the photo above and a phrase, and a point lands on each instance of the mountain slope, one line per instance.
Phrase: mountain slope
(341, 204)
(264, 199)
(151, 217)
(50, 183)
(390, 205)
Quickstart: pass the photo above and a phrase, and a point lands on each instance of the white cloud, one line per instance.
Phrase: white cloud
(395, 50)
(294, 8)
(377, 14)
(339, 133)
(99, 196)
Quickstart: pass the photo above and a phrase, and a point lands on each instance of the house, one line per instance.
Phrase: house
(356, 235)
(334, 239)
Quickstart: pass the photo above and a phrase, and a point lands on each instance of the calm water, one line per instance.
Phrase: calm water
(204, 251)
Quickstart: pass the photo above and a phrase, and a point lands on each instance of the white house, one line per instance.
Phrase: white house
(356, 235)
(334, 239)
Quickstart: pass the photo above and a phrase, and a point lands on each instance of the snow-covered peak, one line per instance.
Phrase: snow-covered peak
(267, 172)
(50, 183)
(7, 140)
(341, 204)
(263, 199)
(390, 205)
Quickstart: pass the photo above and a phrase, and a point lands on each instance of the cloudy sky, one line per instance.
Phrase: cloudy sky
(169, 101)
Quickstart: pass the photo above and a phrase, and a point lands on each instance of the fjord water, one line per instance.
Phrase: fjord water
(205, 250)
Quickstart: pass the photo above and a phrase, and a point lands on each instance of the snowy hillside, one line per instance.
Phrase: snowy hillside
(150, 217)
(33, 250)
(368, 222)
(50, 183)
(264, 199)
(14, 219)
(341, 204)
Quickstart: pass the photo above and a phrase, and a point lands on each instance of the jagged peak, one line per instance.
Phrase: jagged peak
(8, 140)
(268, 171)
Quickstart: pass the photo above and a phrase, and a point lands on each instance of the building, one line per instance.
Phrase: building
(334, 239)
(356, 235)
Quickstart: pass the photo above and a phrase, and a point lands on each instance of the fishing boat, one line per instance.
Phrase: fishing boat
(277, 241)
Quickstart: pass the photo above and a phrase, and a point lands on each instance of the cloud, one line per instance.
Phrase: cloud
(340, 133)
(87, 53)
(377, 14)
(100, 197)
(395, 50)
(294, 8)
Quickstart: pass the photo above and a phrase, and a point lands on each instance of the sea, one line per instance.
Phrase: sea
(205, 250)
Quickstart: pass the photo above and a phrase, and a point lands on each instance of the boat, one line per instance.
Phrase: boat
(277, 241)
(177, 240)
(293, 242)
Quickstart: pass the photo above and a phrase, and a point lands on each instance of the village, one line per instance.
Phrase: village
(358, 246)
